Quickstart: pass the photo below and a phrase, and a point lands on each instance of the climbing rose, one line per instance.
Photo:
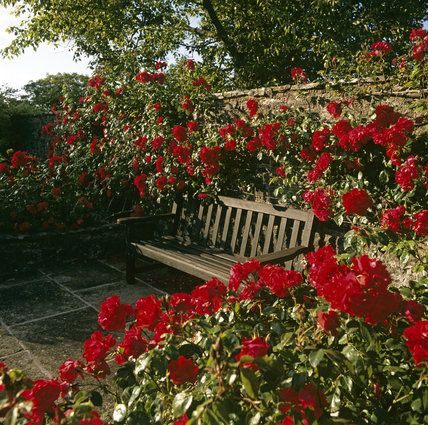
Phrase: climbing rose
(113, 314)
(391, 219)
(380, 47)
(417, 340)
(320, 202)
(328, 322)
(70, 370)
(420, 225)
(357, 201)
(179, 132)
(298, 74)
(183, 370)
(407, 174)
(252, 107)
(334, 109)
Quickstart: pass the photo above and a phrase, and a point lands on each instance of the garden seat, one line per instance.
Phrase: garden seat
(205, 239)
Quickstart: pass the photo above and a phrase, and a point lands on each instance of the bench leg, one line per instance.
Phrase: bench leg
(130, 266)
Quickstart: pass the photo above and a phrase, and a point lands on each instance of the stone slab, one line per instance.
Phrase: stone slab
(25, 362)
(80, 275)
(9, 345)
(127, 293)
(34, 300)
(11, 279)
(54, 340)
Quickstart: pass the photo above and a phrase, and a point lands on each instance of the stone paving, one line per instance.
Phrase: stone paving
(46, 314)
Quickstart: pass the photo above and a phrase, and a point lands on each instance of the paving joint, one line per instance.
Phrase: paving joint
(70, 291)
(25, 348)
(50, 316)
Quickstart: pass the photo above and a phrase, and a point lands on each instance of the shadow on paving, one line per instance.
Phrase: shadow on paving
(47, 313)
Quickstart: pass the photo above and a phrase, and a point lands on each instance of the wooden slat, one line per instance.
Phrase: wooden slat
(255, 241)
(235, 229)
(202, 270)
(208, 221)
(216, 225)
(294, 234)
(281, 234)
(245, 233)
(308, 233)
(277, 210)
(226, 226)
(268, 234)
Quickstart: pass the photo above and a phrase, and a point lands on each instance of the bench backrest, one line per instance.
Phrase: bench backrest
(244, 228)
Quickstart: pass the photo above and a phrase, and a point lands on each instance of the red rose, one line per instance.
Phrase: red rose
(357, 201)
(70, 370)
(417, 340)
(241, 271)
(334, 109)
(143, 77)
(209, 297)
(328, 322)
(371, 273)
(278, 279)
(96, 347)
(148, 311)
(183, 370)
(420, 224)
(134, 344)
(182, 421)
(391, 219)
(320, 202)
(43, 394)
(298, 74)
(255, 348)
(413, 311)
(252, 107)
(179, 132)
(113, 314)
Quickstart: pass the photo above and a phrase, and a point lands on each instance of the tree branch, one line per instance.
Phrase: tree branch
(222, 34)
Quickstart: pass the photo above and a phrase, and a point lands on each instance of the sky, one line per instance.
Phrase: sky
(33, 65)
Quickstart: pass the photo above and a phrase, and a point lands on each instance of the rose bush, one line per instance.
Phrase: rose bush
(334, 344)
(136, 143)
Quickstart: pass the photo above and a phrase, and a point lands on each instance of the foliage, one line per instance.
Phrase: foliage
(43, 93)
(251, 43)
(137, 143)
(273, 347)
(10, 106)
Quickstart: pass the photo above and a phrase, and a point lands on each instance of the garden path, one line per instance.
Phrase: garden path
(47, 313)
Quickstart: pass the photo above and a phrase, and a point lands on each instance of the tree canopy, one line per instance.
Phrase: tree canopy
(43, 93)
(252, 42)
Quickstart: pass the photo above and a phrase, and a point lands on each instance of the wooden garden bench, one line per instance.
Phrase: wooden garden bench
(206, 239)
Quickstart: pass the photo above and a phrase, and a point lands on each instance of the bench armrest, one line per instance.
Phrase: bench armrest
(283, 255)
(145, 219)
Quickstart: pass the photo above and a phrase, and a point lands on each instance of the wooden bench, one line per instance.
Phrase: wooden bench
(206, 239)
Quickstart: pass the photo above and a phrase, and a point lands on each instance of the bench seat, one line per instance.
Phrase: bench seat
(206, 239)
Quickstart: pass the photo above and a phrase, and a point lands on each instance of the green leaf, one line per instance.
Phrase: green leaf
(315, 357)
(182, 401)
(250, 382)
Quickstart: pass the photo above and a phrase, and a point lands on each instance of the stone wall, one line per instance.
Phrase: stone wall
(315, 96)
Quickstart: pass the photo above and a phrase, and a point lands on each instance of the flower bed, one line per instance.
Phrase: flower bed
(335, 344)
